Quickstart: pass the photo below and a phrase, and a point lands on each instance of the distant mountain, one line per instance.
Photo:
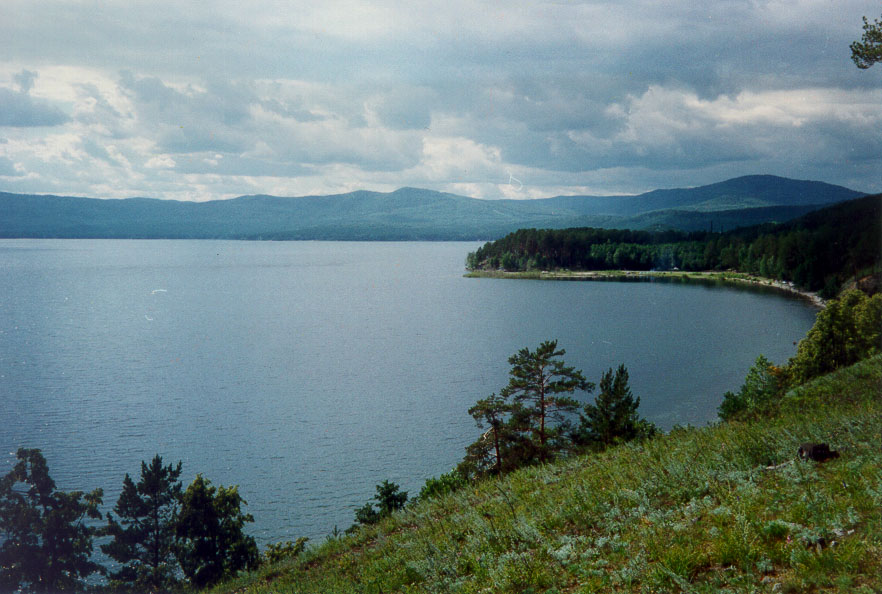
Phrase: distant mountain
(412, 213)
(752, 191)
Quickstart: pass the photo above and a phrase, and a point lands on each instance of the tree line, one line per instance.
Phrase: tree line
(818, 251)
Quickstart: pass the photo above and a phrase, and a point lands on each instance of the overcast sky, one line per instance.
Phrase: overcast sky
(215, 99)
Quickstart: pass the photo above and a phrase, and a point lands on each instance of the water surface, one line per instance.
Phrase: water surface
(307, 372)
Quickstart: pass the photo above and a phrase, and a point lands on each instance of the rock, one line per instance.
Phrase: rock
(819, 452)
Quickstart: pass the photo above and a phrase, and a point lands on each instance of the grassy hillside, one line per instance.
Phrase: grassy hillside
(722, 508)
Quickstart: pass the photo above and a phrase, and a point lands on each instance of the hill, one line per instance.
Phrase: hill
(722, 508)
(411, 213)
(752, 191)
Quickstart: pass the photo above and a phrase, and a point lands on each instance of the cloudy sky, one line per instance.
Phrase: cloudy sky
(521, 99)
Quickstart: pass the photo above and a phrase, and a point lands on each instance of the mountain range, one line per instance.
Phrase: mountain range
(412, 213)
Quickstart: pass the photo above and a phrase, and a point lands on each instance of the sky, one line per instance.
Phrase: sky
(517, 99)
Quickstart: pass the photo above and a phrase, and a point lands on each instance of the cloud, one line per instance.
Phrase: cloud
(8, 168)
(20, 110)
(170, 100)
(160, 162)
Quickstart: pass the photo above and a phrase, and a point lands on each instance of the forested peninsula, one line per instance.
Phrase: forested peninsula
(818, 252)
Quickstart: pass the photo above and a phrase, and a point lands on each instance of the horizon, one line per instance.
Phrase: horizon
(37, 194)
(521, 101)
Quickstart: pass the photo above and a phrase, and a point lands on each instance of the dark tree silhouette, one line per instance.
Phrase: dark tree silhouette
(613, 415)
(46, 545)
(144, 530)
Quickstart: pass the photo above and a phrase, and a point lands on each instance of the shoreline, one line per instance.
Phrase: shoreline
(735, 278)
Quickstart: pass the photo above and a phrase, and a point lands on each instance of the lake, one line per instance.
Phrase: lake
(308, 372)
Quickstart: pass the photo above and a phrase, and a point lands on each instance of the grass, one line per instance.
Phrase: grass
(725, 508)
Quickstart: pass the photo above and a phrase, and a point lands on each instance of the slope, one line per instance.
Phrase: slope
(726, 507)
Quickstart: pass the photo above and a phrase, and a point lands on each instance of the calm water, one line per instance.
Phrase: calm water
(307, 372)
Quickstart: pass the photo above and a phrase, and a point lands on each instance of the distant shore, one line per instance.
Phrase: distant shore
(636, 275)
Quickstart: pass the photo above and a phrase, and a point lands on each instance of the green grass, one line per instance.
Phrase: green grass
(726, 508)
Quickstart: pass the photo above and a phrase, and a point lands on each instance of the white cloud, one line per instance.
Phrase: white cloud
(162, 162)
(458, 159)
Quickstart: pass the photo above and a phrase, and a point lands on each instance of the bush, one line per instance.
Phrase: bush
(442, 485)
(284, 550)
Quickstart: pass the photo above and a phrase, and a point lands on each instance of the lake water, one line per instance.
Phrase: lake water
(308, 372)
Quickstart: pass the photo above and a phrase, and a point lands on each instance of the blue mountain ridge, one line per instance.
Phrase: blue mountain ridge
(412, 213)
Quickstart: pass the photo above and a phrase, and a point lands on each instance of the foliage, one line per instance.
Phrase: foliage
(818, 251)
(45, 543)
(529, 421)
(366, 515)
(613, 418)
(144, 535)
(501, 447)
(847, 330)
(869, 50)
(389, 498)
(448, 482)
(764, 383)
(538, 389)
(212, 544)
(280, 551)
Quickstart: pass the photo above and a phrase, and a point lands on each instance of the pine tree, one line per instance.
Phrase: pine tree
(486, 454)
(539, 385)
(613, 416)
(45, 545)
(868, 50)
(845, 331)
(144, 535)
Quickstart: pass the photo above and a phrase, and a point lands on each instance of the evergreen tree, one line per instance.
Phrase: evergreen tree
(389, 499)
(539, 385)
(144, 535)
(45, 545)
(485, 456)
(212, 545)
(613, 416)
(869, 50)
